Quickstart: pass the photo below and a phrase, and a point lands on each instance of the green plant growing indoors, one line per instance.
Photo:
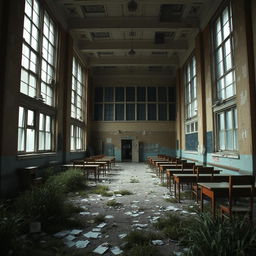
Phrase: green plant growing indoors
(212, 235)
(134, 180)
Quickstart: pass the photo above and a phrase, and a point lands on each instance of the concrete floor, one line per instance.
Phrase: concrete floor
(144, 206)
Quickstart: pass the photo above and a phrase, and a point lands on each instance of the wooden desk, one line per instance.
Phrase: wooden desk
(110, 159)
(86, 168)
(215, 190)
(164, 166)
(102, 165)
(171, 172)
(193, 178)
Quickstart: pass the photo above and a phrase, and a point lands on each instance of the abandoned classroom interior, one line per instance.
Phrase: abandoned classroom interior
(128, 79)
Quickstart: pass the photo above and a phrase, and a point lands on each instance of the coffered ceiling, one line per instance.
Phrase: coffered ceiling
(148, 34)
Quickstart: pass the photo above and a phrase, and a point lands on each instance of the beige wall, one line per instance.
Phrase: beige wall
(157, 136)
(245, 92)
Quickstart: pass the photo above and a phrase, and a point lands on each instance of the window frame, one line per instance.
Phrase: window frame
(76, 122)
(234, 129)
(169, 117)
(82, 83)
(74, 138)
(50, 55)
(36, 128)
(221, 46)
(191, 121)
(223, 105)
(39, 53)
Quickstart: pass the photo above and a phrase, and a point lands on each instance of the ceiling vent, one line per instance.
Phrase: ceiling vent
(132, 6)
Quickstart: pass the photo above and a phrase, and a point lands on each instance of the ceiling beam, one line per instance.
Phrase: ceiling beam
(115, 45)
(133, 61)
(132, 22)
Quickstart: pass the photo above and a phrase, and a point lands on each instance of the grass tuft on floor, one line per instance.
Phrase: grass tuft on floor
(124, 192)
(144, 250)
(113, 203)
(134, 180)
(171, 200)
(101, 190)
(173, 225)
(139, 243)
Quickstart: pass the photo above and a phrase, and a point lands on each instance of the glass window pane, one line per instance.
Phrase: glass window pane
(151, 111)
(108, 96)
(229, 79)
(30, 118)
(218, 38)
(162, 112)
(41, 141)
(219, 55)
(220, 69)
(41, 122)
(226, 30)
(98, 111)
(119, 112)
(119, 94)
(30, 140)
(21, 139)
(171, 94)
(229, 91)
(108, 112)
(222, 140)
(229, 120)
(172, 112)
(130, 94)
(151, 94)
(228, 62)
(235, 118)
(130, 112)
(48, 141)
(162, 94)
(230, 140)
(141, 111)
(141, 93)
(98, 94)
(48, 124)
(21, 117)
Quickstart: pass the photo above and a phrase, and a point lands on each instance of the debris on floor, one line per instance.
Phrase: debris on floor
(116, 250)
(92, 234)
(82, 244)
(157, 242)
(101, 249)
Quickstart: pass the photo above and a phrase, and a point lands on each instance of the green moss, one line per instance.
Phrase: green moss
(101, 190)
(113, 203)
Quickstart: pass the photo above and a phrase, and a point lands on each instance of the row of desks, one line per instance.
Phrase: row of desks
(94, 167)
(213, 186)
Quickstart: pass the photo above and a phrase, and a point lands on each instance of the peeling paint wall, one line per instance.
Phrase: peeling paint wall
(243, 160)
(154, 138)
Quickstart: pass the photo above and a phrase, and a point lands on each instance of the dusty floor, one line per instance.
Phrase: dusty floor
(137, 211)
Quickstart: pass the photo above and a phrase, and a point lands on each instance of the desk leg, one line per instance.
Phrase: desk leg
(175, 189)
(179, 191)
(213, 205)
(202, 200)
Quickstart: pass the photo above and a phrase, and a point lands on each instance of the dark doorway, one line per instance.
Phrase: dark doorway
(126, 150)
